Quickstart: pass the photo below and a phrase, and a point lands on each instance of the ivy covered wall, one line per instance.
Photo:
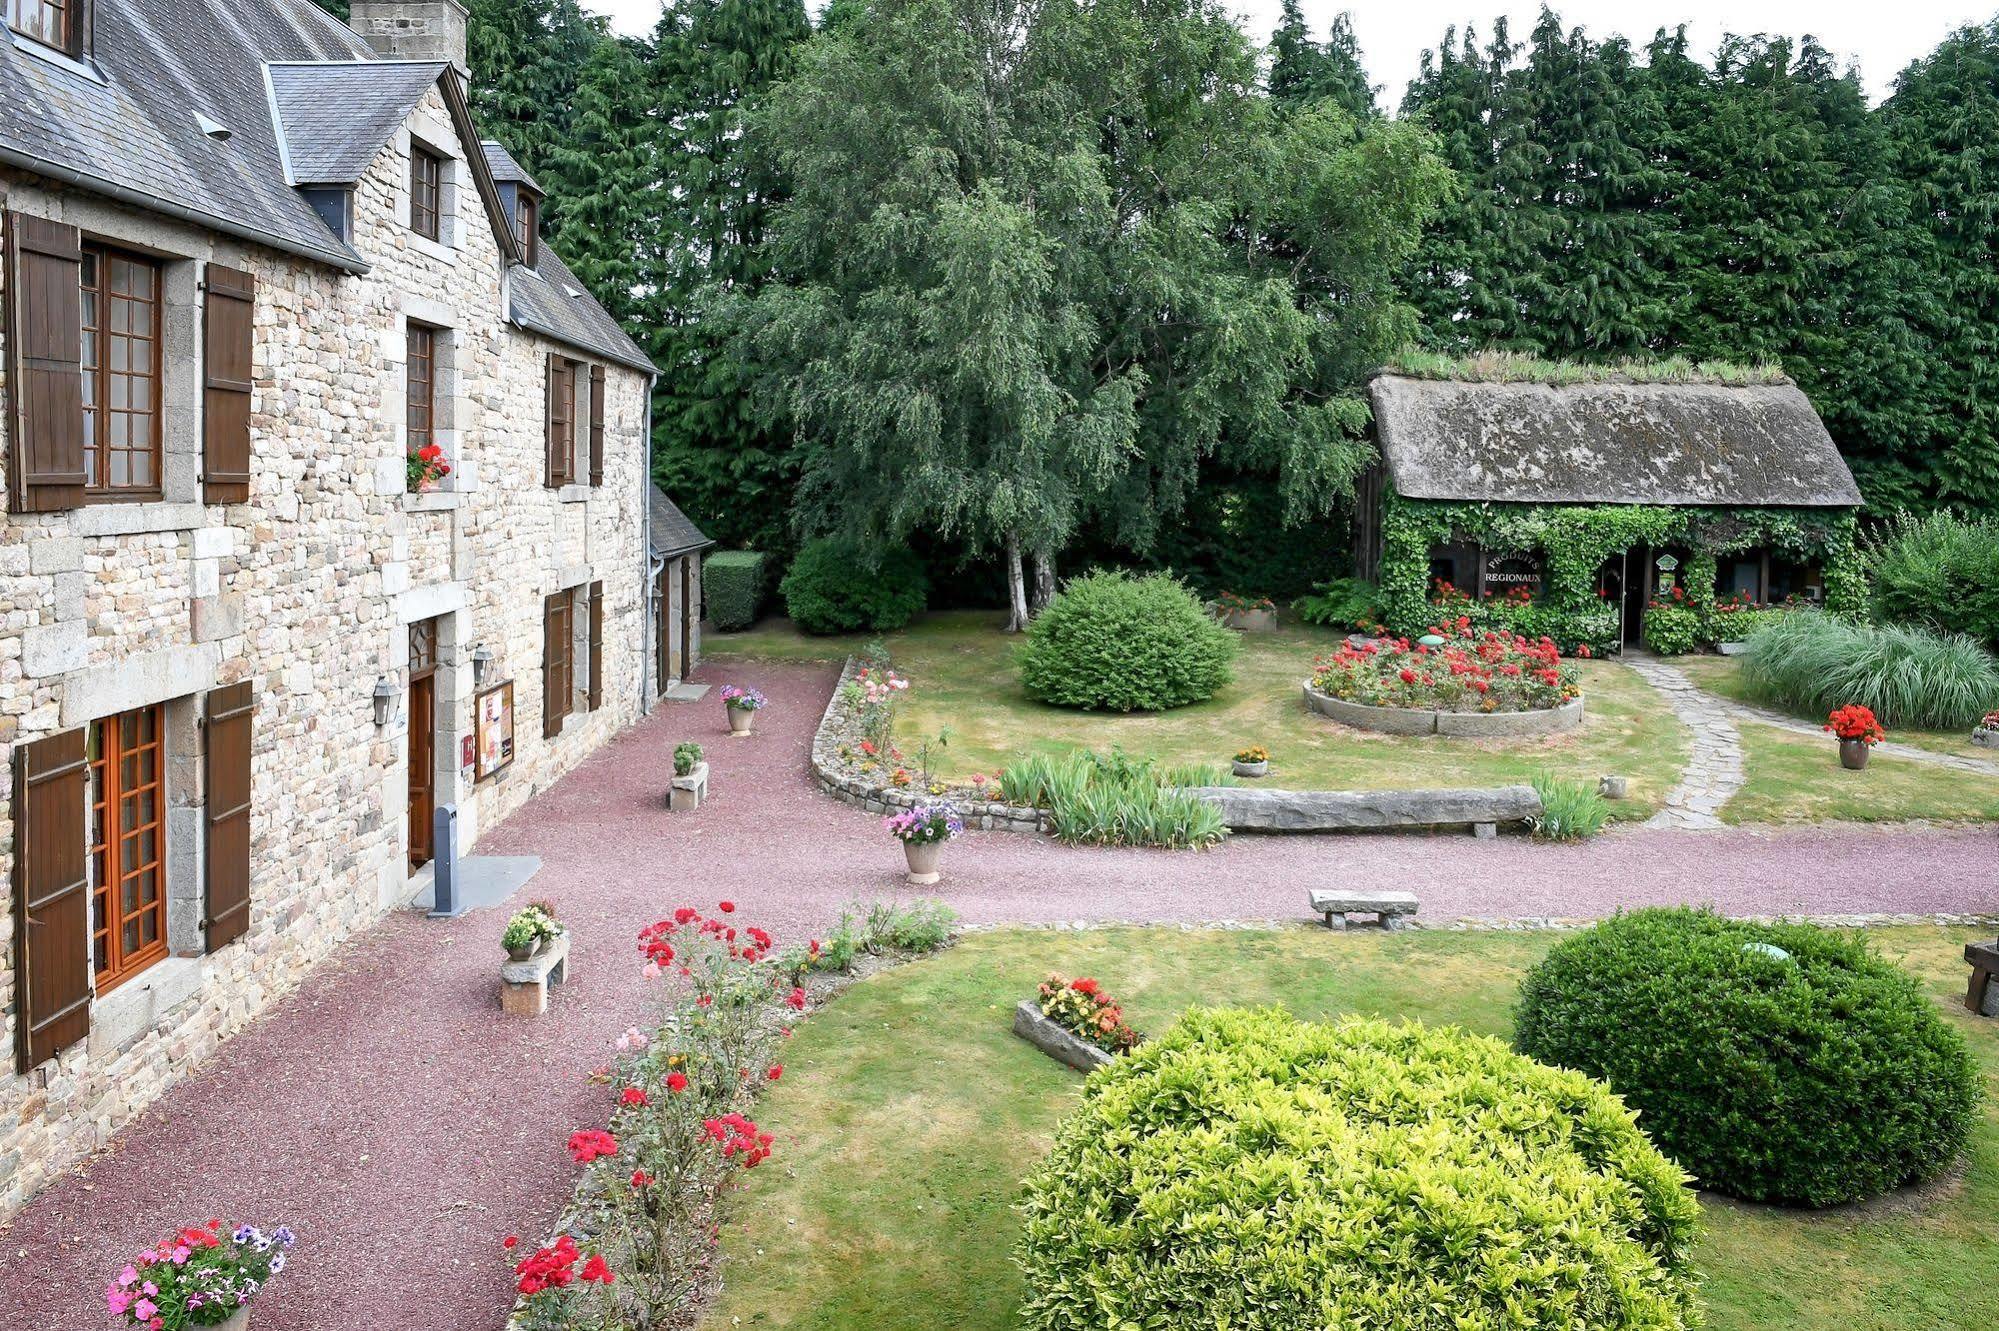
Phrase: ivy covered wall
(1572, 542)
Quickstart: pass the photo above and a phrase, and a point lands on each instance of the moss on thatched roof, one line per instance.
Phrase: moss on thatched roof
(1511, 367)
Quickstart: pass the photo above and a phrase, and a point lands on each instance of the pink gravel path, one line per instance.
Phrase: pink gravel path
(390, 1114)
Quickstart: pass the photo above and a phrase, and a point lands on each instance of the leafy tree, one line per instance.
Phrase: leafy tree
(601, 176)
(337, 8)
(529, 59)
(1303, 69)
(1029, 274)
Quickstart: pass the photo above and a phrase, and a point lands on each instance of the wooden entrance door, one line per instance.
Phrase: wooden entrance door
(423, 739)
(689, 615)
(662, 626)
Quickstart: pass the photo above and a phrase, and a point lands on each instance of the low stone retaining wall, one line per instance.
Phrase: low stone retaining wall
(873, 792)
(1463, 725)
(1258, 809)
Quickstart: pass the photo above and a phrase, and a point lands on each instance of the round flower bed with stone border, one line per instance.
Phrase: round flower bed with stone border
(1463, 725)
(1455, 681)
(846, 770)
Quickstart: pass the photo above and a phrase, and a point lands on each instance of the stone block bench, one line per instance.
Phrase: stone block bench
(524, 985)
(687, 792)
(1390, 909)
(1247, 809)
(1982, 995)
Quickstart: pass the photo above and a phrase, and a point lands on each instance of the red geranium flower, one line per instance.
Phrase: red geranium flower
(632, 1095)
(587, 1145)
(676, 1082)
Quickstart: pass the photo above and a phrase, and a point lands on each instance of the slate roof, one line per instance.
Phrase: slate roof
(335, 118)
(1608, 443)
(548, 299)
(671, 531)
(505, 169)
(131, 133)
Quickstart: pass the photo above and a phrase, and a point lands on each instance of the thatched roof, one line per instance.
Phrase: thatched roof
(1607, 443)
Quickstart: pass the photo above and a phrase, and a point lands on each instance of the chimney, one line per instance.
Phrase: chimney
(413, 29)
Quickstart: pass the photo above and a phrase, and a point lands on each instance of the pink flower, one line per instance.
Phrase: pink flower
(127, 1276)
(180, 1256)
(144, 1309)
(117, 1300)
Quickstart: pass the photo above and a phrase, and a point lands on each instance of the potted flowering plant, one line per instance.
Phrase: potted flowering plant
(198, 1278)
(1251, 614)
(686, 757)
(1986, 733)
(1082, 1008)
(923, 831)
(1857, 731)
(425, 467)
(1252, 761)
(742, 706)
(532, 926)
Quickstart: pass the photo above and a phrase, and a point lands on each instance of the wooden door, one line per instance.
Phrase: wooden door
(423, 739)
(662, 626)
(689, 615)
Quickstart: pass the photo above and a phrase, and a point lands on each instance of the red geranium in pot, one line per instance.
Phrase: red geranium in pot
(1857, 731)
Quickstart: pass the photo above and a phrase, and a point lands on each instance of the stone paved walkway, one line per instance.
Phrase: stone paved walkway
(1714, 767)
(388, 1112)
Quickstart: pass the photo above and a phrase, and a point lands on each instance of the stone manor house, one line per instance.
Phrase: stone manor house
(258, 266)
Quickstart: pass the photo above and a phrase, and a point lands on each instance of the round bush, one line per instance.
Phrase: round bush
(832, 587)
(1822, 1078)
(1250, 1169)
(1115, 643)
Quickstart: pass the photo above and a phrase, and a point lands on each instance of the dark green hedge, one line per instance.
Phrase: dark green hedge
(834, 588)
(1822, 1077)
(1247, 1169)
(1112, 642)
(732, 588)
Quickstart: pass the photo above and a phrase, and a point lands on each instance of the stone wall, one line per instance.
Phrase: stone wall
(307, 591)
(842, 778)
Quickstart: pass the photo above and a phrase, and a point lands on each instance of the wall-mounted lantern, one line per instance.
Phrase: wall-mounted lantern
(385, 700)
(482, 660)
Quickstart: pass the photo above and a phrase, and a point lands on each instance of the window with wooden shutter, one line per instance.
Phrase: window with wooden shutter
(226, 891)
(44, 365)
(561, 421)
(228, 307)
(128, 850)
(558, 680)
(596, 425)
(596, 645)
(51, 896)
(420, 387)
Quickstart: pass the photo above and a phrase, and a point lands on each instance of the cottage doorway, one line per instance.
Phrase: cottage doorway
(1635, 582)
(423, 740)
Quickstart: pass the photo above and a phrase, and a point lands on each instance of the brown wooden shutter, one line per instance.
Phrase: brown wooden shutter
(596, 645)
(228, 311)
(227, 912)
(560, 435)
(44, 365)
(51, 895)
(596, 425)
(554, 652)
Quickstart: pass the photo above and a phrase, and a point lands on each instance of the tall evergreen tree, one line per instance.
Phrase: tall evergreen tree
(1303, 69)
(603, 174)
(528, 60)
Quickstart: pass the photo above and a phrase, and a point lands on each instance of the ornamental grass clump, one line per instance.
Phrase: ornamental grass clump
(1117, 800)
(1911, 678)
(640, 1244)
(1247, 1169)
(1570, 810)
(1111, 642)
(1471, 671)
(1775, 1062)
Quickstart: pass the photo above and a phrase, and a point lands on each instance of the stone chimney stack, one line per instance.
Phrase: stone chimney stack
(413, 29)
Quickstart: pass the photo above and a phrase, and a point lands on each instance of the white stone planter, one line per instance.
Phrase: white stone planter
(741, 720)
(1463, 725)
(687, 792)
(922, 858)
(1252, 769)
(1985, 739)
(1052, 1040)
(1250, 621)
(1731, 648)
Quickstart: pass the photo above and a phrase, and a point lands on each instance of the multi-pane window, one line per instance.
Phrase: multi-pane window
(121, 373)
(426, 192)
(421, 385)
(127, 846)
(50, 22)
(527, 226)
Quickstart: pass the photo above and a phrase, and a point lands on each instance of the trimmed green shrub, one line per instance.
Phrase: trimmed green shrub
(1111, 642)
(1938, 570)
(732, 588)
(1340, 603)
(1247, 1169)
(1810, 663)
(1672, 630)
(1812, 1078)
(832, 587)
(1570, 810)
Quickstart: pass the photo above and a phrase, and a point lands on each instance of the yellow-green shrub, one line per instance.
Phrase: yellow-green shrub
(1249, 1170)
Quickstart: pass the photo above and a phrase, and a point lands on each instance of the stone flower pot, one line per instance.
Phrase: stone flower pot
(741, 720)
(1985, 739)
(524, 951)
(1853, 754)
(238, 1320)
(1250, 621)
(922, 858)
(1253, 769)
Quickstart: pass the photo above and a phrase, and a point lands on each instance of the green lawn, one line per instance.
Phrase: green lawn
(909, 1114)
(1793, 778)
(1722, 675)
(963, 685)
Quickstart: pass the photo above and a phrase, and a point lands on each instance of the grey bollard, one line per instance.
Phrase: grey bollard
(444, 860)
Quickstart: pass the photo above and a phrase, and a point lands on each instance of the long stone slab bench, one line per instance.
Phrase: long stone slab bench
(1484, 810)
(524, 985)
(1336, 904)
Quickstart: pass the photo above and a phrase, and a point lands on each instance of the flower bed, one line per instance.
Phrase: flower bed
(855, 767)
(1471, 683)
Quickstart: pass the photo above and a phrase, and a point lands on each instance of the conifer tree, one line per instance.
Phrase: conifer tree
(1303, 69)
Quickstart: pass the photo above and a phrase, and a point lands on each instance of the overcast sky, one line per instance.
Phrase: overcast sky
(1880, 37)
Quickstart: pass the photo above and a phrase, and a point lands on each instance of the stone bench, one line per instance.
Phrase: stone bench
(1388, 908)
(1982, 995)
(1247, 809)
(524, 985)
(687, 792)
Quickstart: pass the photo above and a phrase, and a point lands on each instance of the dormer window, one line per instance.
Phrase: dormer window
(53, 23)
(527, 225)
(426, 193)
